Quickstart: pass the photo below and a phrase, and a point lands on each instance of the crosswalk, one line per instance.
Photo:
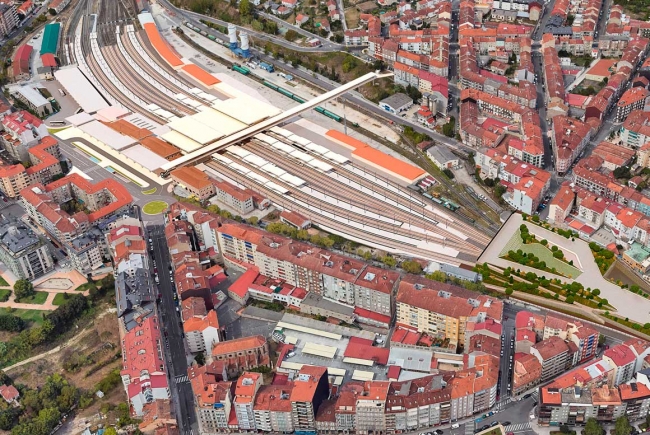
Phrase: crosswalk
(181, 378)
(519, 427)
(469, 428)
(502, 404)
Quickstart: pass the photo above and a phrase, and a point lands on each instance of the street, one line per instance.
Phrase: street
(179, 385)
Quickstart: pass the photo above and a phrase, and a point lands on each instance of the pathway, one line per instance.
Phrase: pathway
(627, 303)
(70, 342)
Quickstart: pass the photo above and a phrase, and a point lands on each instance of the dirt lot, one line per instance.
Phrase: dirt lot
(352, 17)
(96, 347)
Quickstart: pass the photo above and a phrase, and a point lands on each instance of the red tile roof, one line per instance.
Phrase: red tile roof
(238, 344)
(364, 349)
(21, 59)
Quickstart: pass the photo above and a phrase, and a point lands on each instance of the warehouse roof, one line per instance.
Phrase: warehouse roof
(397, 100)
(50, 38)
(160, 45)
(107, 135)
(196, 130)
(78, 86)
(143, 156)
(181, 141)
(21, 59)
(200, 75)
(226, 124)
(246, 109)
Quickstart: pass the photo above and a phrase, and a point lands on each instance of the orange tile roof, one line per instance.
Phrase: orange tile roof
(200, 74)
(142, 349)
(377, 158)
(201, 324)
(304, 390)
(161, 46)
(192, 177)
(239, 344)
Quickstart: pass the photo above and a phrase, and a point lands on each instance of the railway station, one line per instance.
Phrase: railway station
(154, 111)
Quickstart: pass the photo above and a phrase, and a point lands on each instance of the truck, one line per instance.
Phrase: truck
(267, 66)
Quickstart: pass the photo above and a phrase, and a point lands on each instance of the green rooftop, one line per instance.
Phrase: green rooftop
(637, 252)
(50, 38)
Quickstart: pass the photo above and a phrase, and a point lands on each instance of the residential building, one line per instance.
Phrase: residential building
(10, 394)
(635, 131)
(213, 397)
(247, 386)
(58, 5)
(143, 365)
(8, 18)
(341, 279)
(22, 251)
(272, 408)
(201, 333)
(526, 373)
(86, 252)
(632, 99)
(623, 360)
(442, 310)
(234, 197)
(553, 355)
(575, 405)
(242, 354)
(561, 204)
(310, 390)
(569, 140)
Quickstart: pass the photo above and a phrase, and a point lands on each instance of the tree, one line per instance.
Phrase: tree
(448, 173)
(601, 340)
(509, 291)
(245, 8)
(411, 266)
(200, 358)
(593, 428)
(23, 289)
(622, 426)
(595, 292)
(291, 35)
(449, 129)
(570, 299)
(110, 431)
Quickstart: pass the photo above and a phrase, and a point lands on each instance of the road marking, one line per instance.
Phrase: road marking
(519, 427)
(181, 378)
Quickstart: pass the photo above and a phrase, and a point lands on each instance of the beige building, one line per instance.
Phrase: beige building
(195, 181)
(234, 197)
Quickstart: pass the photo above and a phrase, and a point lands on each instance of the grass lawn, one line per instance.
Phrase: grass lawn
(150, 191)
(39, 298)
(3, 282)
(542, 252)
(4, 295)
(34, 317)
(84, 287)
(59, 299)
(154, 207)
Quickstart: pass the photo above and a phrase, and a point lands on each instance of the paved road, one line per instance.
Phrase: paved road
(327, 45)
(175, 354)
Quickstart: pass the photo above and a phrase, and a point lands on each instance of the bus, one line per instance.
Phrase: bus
(79, 110)
(57, 123)
(62, 92)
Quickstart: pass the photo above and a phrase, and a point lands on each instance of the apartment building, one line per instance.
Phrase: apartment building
(632, 99)
(575, 405)
(561, 204)
(8, 18)
(86, 252)
(310, 390)
(570, 136)
(213, 397)
(553, 355)
(623, 360)
(442, 310)
(272, 408)
(245, 391)
(22, 251)
(334, 276)
(44, 159)
(234, 197)
(526, 373)
(370, 406)
(143, 365)
(242, 354)
(201, 333)
(22, 130)
(635, 131)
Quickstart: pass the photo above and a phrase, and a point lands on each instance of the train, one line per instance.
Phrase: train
(300, 100)
(202, 32)
(241, 69)
(445, 202)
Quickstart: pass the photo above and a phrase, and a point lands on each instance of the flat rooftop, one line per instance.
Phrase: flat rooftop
(78, 86)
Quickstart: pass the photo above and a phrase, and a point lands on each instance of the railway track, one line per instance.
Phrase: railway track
(326, 222)
(138, 85)
(480, 238)
(332, 187)
(354, 216)
(69, 29)
(131, 51)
